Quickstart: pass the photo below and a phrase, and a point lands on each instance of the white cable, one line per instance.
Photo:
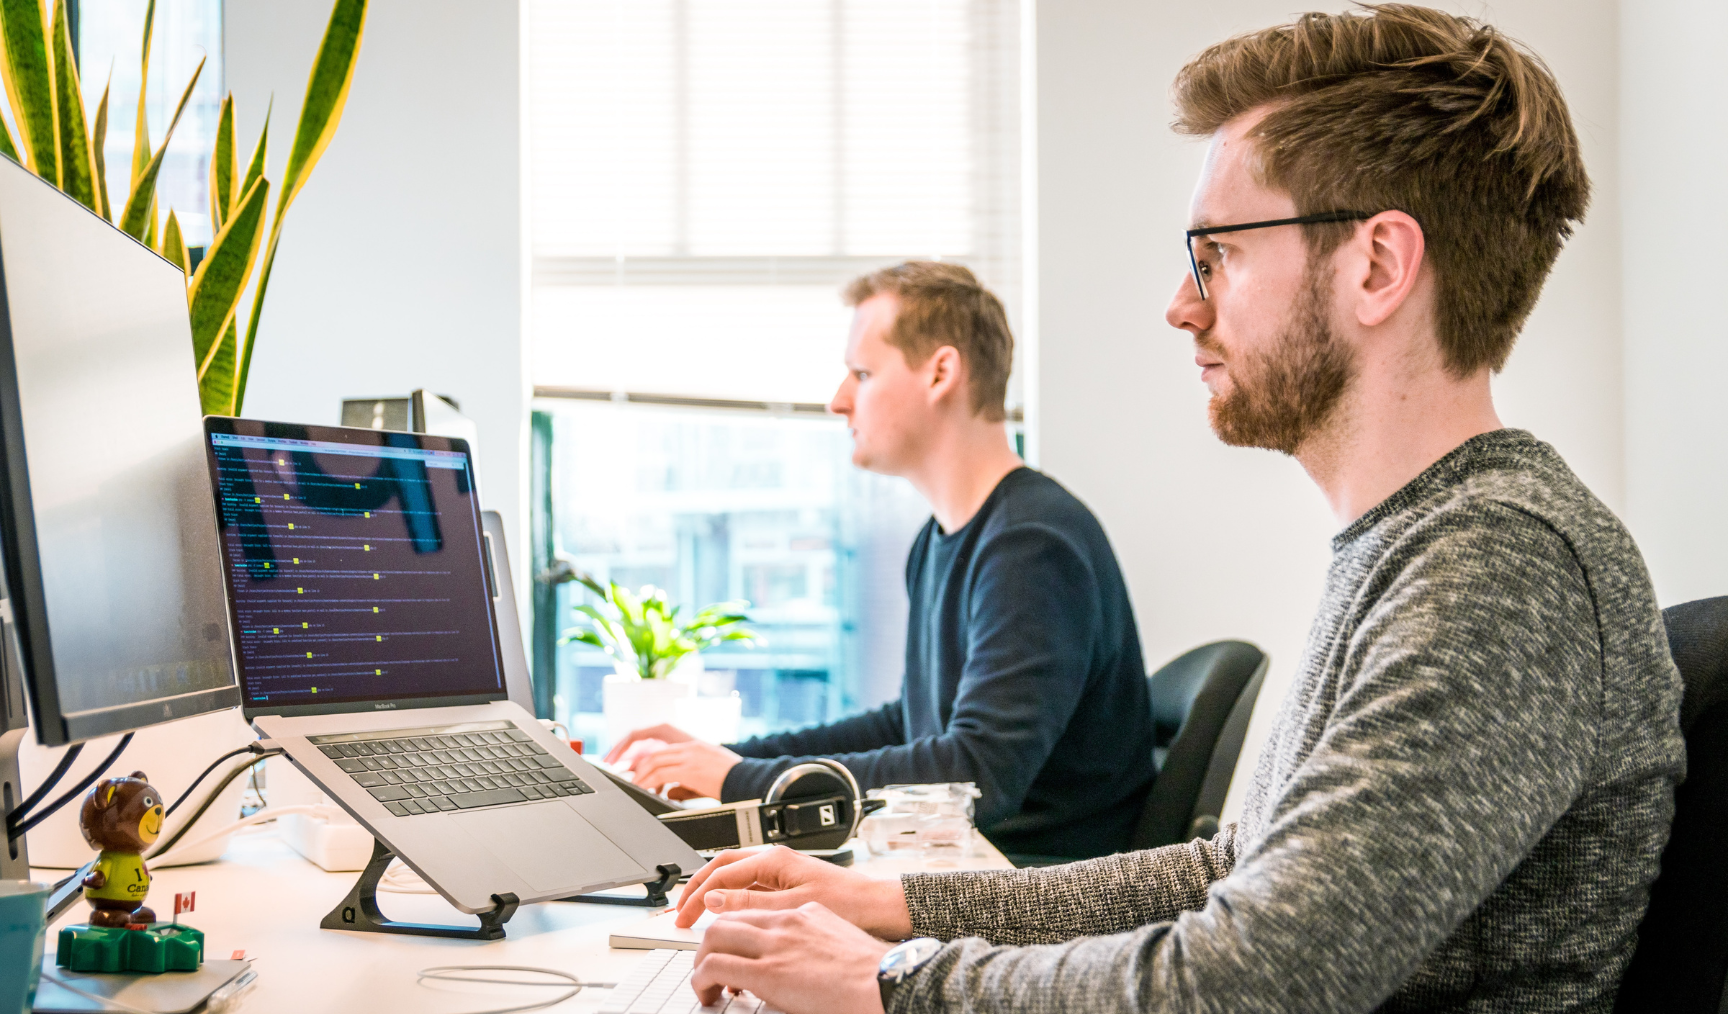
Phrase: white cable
(269, 813)
(400, 878)
(571, 985)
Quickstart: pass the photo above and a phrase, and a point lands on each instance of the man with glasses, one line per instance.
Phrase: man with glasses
(1469, 785)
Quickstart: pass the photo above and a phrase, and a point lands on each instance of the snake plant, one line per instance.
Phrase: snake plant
(642, 628)
(54, 141)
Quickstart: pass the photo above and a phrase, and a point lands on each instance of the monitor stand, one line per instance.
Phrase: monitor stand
(14, 857)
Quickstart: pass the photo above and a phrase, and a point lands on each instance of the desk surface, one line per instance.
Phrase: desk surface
(263, 898)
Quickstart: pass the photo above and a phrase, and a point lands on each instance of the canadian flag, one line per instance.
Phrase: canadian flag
(185, 902)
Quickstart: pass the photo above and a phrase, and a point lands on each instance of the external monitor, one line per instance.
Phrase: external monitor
(354, 563)
(112, 571)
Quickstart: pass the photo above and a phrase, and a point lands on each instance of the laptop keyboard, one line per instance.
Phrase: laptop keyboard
(660, 984)
(415, 771)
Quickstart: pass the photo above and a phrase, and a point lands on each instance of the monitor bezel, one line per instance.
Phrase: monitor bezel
(27, 597)
(362, 437)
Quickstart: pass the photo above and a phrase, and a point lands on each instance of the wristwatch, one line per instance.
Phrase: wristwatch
(903, 961)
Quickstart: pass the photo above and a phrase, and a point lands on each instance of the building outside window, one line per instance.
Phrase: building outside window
(704, 177)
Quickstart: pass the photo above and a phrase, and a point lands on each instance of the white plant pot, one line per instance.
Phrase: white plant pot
(631, 702)
(715, 719)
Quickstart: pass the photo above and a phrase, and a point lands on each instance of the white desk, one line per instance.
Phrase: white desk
(265, 899)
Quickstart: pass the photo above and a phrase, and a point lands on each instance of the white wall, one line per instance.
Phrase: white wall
(400, 261)
(1221, 542)
(1674, 150)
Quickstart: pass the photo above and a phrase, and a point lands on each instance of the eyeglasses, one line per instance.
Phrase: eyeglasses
(1324, 216)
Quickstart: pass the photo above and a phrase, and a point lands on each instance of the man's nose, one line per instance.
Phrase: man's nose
(1187, 311)
(841, 403)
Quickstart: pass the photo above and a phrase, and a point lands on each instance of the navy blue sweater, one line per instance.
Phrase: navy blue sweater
(1023, 674)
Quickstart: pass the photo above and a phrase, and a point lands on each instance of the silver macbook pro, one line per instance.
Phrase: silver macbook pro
(368, 650)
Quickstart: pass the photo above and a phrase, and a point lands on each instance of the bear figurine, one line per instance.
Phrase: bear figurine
(121, 818)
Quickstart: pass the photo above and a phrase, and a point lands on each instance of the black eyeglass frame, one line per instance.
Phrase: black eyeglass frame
(1319, 219)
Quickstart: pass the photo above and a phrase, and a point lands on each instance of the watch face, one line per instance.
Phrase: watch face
(904, 959)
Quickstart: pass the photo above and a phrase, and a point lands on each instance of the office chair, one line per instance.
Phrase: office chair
(1681, 964)
(1201, 703)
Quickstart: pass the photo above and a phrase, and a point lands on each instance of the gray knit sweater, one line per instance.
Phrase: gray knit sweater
(1461, 808)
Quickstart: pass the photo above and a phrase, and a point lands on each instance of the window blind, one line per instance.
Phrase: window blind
(705, 174)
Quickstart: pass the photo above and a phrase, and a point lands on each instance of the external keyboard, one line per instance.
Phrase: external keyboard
(414, 771)
(660, 984)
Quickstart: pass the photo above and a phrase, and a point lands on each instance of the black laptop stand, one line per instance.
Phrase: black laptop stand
(358, 912)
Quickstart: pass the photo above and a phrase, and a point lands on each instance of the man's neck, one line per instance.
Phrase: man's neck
(1387, 431)
(963, 466)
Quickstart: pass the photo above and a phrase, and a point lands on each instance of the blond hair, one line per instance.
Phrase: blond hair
(945, 304)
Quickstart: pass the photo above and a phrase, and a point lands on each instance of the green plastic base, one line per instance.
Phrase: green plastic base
(163, 947)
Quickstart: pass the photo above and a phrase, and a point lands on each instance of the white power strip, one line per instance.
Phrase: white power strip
(336, 844)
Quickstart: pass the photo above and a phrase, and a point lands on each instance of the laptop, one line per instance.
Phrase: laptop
(368, 650)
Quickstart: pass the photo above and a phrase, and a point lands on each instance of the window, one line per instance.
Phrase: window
(715, 505)
(704, 176)
(186, 31)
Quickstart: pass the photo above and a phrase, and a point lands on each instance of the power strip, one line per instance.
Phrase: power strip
(336, 845)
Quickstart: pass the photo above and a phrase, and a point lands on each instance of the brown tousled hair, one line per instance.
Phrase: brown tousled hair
(1400, 107)
(945, 304)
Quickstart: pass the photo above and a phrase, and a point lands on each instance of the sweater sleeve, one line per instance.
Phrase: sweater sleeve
(1034, 624)
(766, 756)
(1035, 906)
(882, 727)
(1465, 726)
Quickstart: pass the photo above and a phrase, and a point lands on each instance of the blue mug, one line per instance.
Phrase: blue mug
(23, 931)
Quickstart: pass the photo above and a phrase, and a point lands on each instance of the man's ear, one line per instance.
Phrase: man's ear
(1394, 250)
(943, 373)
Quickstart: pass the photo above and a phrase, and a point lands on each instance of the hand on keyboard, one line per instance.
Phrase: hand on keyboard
(806, 961)
(660, 984)
(779, 878)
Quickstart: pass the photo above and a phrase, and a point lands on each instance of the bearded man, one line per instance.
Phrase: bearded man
(1465, 798)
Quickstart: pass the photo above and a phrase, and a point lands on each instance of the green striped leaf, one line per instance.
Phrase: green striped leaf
(141, 127)
(77, 172)
(221, 277)
(99, 138)
(173, 244)
(222, 166)
(216, 390)
(139, 217)
(29, 83)
(255, 168)
(326, 95)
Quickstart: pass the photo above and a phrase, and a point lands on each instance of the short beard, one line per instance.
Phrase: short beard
(1282, 397)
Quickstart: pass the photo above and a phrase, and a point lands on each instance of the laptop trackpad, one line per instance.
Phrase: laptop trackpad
(548, 845)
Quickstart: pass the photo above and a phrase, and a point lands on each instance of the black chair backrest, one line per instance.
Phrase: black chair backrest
(1201, 703)
(1681, 964)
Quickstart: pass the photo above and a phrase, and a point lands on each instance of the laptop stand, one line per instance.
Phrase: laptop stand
(669, 876)
(359, 912)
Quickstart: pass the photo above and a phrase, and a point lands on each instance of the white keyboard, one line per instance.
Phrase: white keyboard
(660, 984)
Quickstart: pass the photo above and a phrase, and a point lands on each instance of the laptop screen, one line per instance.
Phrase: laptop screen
(354, 568)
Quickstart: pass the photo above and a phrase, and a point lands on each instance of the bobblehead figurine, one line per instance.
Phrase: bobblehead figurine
(121, 818)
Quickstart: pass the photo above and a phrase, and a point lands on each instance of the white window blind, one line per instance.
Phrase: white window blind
(705, 174)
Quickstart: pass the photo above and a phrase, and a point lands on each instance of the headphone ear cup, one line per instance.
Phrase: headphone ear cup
(817, 778)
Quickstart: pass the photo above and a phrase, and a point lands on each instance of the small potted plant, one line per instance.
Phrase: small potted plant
(655, 657)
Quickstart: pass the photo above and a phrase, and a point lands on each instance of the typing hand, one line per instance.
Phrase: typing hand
(805, 960)
(664, 733)
(696, 767)
(780, 879)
